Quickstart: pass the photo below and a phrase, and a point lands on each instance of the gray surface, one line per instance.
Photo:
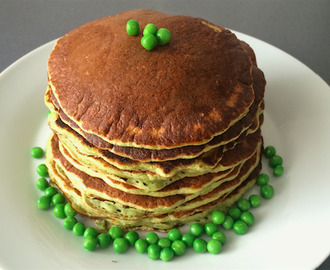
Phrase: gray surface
(300, 27)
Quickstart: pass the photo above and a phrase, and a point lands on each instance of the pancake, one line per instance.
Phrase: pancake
(212, 82)
(160, 222)
(142, 154)
(75, 140)
(153, 181)
(98, 196)
(147, 155)
(184, 186)
(153, 139)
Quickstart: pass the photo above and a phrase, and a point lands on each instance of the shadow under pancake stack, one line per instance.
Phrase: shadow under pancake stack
(153, 139)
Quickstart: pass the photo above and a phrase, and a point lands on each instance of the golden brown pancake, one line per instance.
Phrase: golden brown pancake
(190, 151)
(187, 184)
(143, 206)
(184, 93)
(173, 170)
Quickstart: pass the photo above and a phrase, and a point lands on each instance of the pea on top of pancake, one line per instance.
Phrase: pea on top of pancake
(183, 93)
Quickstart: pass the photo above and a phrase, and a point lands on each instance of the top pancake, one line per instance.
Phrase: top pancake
(183, 93)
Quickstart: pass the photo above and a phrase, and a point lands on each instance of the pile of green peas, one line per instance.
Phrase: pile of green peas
(151, 35)
(275, 161)
(238, 218)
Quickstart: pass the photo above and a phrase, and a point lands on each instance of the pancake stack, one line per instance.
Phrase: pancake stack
(153, 139)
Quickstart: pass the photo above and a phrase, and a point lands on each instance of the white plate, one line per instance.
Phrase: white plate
(291, 230)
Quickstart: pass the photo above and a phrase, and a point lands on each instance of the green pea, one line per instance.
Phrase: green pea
(200, 245)
(262, 179)
(58, 199)
(152, 238)
(179, 247)
(278, 170)
(210, 228)
(166, 254)
(103, 240)
(59, 210)
(69, 211)
(44, 202)
(120, 245)
(235, 213)
(243, 204)
(275, 160)
(116, 232)
(78, 229)
(132, 27)
(269, 151)
(90, 243)
(267, 191)
(69, 223)
(188, 239)
(240, 227)
(50, 191)
(141, 246)
(49, 113)
(154, 251)
(42, 170)
(174, 234)
(37, 152)
(164, 243)
(42, 184)
(248, 218)
(255, 200)
(228, 224)
(150, 29)
(149, 42)
(132, 237)
(218, 217)
(220, 236)
(214, 246)
(90, 232)
(196, 229)
(163, 36)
